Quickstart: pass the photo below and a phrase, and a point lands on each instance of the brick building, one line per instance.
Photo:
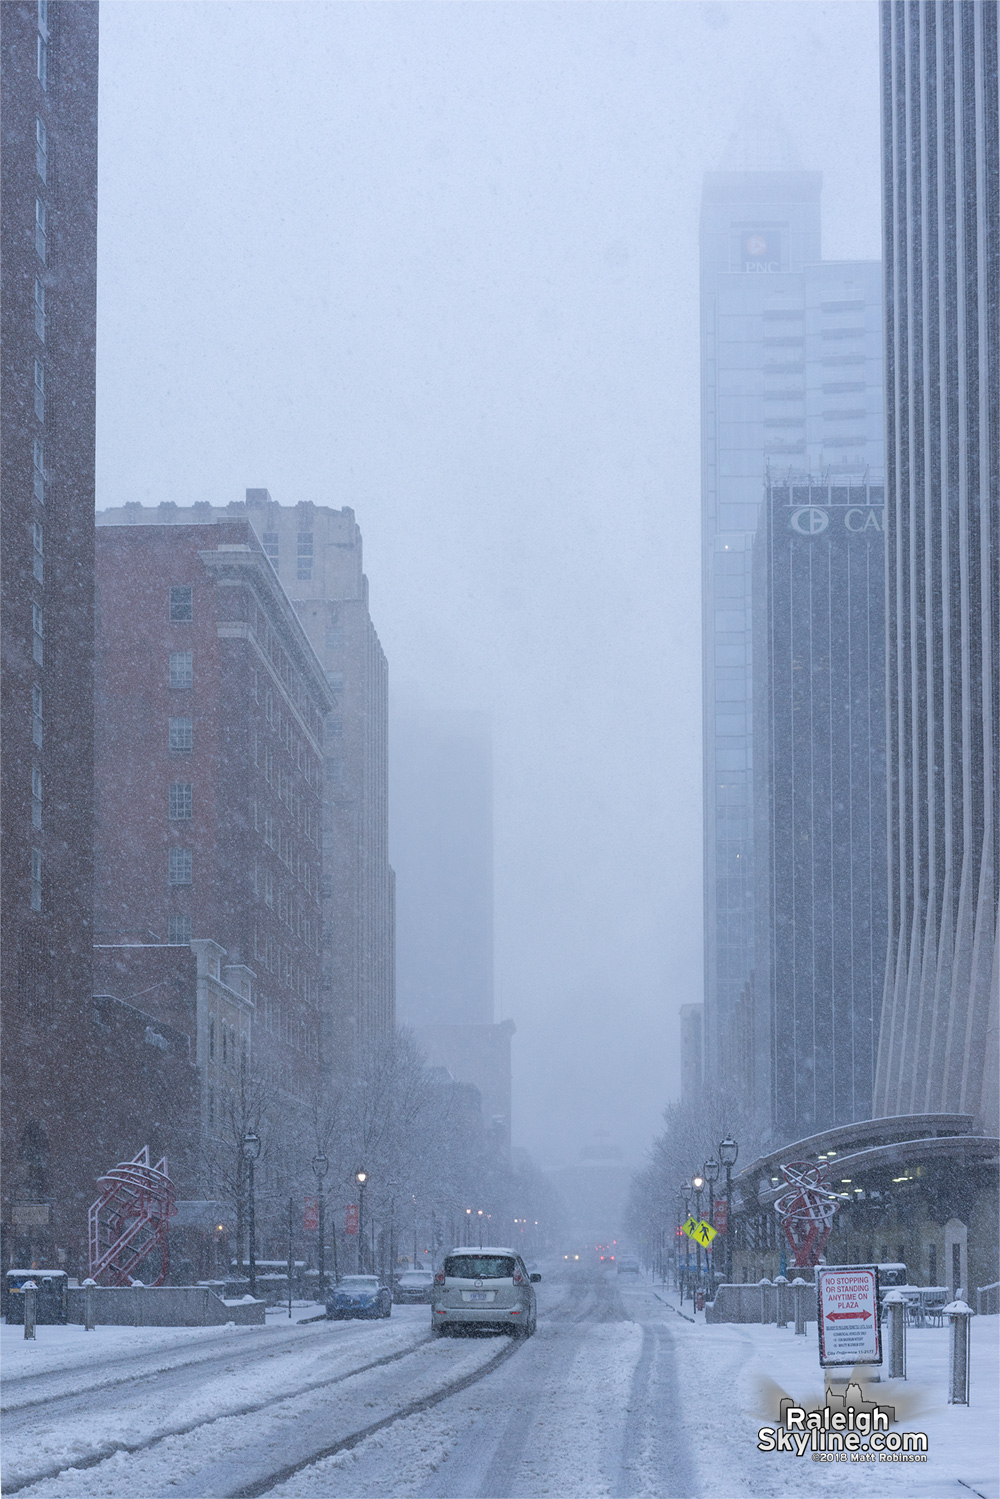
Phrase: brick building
(51, 1117)
(209, 724)
(316, 553)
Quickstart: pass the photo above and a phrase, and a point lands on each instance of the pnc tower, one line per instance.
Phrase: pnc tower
(791, 380)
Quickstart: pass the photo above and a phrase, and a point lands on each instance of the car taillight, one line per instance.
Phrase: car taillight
(518, 1278)
(439, 1278)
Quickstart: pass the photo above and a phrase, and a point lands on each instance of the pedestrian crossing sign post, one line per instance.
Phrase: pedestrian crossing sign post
(701, 1232)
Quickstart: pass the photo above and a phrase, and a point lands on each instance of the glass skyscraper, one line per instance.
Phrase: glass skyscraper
(791, 380)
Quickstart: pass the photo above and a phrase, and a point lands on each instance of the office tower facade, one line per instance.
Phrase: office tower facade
(819, 795)
(316, 553)
(48, 121)
(442, 850)
(791, 379)
(941, 171)
(209, 741)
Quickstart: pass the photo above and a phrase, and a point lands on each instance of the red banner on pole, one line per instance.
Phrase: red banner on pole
(351, 1226)
(310, 1214)
(721, 1215)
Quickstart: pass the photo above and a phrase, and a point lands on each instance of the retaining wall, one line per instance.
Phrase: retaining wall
(163, 1306)
(756, 1303)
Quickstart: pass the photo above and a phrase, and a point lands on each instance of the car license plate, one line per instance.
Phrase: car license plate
(477, 1295)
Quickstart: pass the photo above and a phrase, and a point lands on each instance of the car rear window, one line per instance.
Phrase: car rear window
(479, 1266)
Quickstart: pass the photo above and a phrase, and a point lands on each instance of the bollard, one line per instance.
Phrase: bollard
(959, 1314)
(30, 1292)
(781, 1282)
(894, 1302)
(88, 1304)
(765, 1286)
(798, 1286)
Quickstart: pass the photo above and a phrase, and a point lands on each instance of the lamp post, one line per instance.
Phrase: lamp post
(361, 1177)
(320, 1167)
(728, 1151)
(480, 1216)
(684, 1194)
(711, 1170)
(251, 1153)
(468, 1226)
(697, 1187)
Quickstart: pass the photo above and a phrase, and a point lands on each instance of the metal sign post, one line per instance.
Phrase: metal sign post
(850, 1328)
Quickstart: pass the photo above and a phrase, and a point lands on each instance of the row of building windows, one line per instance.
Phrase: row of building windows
(303, 553)
(280, 899)
(182, 669)
(228, 1048)
(280, 960)
(295, 1032)
(179, 801)
(291, 856)
(180, 866)
(180, 734)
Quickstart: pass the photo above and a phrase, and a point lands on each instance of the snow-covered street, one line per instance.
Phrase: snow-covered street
(617, 1394)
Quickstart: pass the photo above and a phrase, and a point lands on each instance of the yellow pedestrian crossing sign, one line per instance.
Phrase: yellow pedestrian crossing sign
(703, 1233)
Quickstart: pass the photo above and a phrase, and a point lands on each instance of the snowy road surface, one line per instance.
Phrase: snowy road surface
(616, 1395)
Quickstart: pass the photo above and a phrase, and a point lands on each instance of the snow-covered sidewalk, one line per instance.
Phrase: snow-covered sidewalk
(732, 1377)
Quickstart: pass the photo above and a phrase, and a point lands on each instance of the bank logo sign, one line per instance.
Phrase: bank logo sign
(760, 250)
(813, 520)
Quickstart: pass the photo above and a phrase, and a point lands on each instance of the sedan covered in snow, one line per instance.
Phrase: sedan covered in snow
(359, 1296)
(414, 1285)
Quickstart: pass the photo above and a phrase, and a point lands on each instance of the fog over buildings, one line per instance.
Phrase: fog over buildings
(440, 265)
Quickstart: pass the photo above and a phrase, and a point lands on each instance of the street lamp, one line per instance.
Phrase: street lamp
(251, 1153)
(697, 1187)
(728, 1151)
(711, 1170)
(468, 1225)
(320, 1167)
(480, 1214)
(684, 1194)
(361, 1177)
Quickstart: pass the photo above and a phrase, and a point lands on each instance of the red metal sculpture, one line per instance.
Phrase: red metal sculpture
(130, 1219)
(806, 1211)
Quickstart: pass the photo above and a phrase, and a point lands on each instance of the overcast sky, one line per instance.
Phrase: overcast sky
(439, 262)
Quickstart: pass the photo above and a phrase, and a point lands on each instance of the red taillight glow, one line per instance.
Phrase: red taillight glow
(518, 1278)
(439, 1278)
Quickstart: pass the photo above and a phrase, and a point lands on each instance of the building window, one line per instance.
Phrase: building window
(211, 1106)
(180, 603)
(36, 797)
(179, 930)
(182, 668)
(42, 61)
(304, 555)
(180, 734)
(39, 390)
(39, 309)
(43, 17)
(36, 713)
(36, 879)
(37, 539)
(41, 149)
(179, 806)
(270, 540)
(179, 866)
(41, 238)
(38, 459)
(38, 632)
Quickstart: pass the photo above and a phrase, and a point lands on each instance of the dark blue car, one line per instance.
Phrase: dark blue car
(359, 1296)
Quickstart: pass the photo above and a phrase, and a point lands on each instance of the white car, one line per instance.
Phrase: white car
(484, 1288)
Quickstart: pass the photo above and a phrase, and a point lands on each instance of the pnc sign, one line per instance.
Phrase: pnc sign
(813, 520)
(760, 251)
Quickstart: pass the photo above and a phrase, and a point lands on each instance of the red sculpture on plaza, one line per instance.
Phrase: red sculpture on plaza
(806, 1211)
(130, 1219)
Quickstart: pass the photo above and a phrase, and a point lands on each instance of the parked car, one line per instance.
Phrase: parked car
(484, 1288)
(359, 1296)
(628, 1266)
(413, 1285)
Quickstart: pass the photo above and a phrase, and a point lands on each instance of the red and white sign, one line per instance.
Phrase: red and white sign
(310, 1214)
(721, 1215)
(351, 1226)
(848, 1315)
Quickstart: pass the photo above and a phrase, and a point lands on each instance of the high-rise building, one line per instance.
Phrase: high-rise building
(791, 378)
(209, 742)
(819, 795)
(316, 553)
(939, 1043)
(442, 850)
(48, 123)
